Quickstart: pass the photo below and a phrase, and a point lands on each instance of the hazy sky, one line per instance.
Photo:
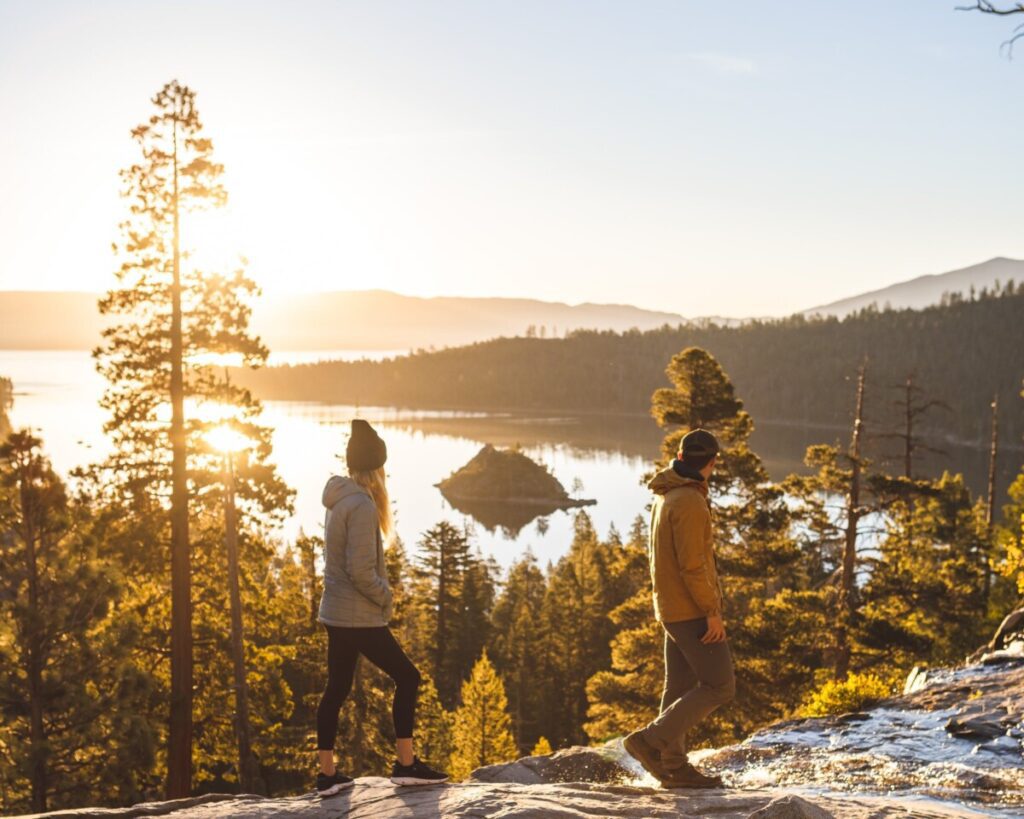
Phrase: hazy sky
(708, 158)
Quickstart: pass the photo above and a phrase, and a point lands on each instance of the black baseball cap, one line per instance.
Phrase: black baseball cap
(699, 443)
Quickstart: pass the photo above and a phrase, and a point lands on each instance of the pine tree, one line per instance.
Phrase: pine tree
(925, 598)
(308, 548)
(626, 694)
(1009, 537)
(441, 563)
(702, 396)
(454, 594)
(433, 725)
(68, 696)
(476, 601)
(583, 588)
(481, 732)
(173, 319)
(542, 748)
(518, 647)
(149, 350)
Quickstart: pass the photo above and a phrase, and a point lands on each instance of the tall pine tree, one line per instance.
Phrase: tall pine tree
(172, 320)
(481, 733)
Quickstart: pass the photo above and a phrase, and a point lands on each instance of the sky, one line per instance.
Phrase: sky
(737, 159)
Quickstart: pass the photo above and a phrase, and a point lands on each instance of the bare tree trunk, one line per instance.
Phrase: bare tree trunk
(314, 604)
(248, 770)
(990, 508)
(848, 589)
(908, 455)
(908, 441)
(442, 611)
(37, 730)
(179, 754)
(993, 453)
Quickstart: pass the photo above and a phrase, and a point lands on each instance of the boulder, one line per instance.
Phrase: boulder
(574, 764)
(791, 807)
(1012, 627)
(981, 726)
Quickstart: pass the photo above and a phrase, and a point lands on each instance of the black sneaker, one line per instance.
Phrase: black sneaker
(416, 774)
(689, 777)
(330, 785)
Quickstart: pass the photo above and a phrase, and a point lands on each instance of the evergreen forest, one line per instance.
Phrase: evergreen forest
(795, 370)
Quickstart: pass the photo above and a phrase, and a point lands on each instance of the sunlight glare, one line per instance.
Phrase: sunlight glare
(226, 439)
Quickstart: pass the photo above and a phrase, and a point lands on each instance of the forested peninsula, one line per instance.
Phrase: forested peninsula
(796, 370)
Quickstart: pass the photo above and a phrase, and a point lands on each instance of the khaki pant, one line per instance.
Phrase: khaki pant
(698, 679)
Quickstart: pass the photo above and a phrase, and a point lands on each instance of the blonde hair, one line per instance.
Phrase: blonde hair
(375, 483)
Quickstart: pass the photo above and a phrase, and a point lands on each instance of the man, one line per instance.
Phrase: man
(688, 604)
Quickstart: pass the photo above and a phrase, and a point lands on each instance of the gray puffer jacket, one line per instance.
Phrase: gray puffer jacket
(356, 592)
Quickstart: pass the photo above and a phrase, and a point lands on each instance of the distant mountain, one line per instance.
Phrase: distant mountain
(925, 291)
(385, 321)
(42, 320)
(356, 320)
(380, 320)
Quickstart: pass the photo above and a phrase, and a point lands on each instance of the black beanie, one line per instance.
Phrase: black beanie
(698, 443)
(366, 450)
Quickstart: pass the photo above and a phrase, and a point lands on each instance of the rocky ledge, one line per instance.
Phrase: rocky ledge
(378, 798)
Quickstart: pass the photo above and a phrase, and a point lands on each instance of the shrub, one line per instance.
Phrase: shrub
(841, 697)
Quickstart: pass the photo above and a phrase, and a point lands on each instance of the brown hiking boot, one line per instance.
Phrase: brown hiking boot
(687, 776)
(642, 751)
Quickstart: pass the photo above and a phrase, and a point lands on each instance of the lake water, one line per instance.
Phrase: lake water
(598, 457)
(56, 395)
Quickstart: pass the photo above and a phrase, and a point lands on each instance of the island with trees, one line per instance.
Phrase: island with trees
(506, 488)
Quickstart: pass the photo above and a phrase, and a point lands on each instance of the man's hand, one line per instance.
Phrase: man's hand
(716, 630)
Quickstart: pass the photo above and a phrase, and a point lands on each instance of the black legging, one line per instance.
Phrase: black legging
(379, 646)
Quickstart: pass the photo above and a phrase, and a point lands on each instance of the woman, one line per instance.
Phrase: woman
(356, 607)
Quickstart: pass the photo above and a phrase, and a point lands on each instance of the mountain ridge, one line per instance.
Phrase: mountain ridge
(924, 291)
(336, 320)
(377, 319)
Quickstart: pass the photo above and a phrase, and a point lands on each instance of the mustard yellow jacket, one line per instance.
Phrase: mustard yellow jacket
(682, 557)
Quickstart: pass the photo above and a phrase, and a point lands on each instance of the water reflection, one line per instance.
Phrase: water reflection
(508, 518)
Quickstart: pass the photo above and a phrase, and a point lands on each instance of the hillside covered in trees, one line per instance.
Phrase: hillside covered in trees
(793, 370)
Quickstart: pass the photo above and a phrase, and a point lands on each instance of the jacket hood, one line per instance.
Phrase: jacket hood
(338, 487)
(669, 479)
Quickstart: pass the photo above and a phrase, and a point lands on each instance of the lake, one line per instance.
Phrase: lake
(595, 456)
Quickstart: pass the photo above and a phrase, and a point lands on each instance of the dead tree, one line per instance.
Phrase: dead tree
(1000, 10)
(854, 512)
(990, 505)
(912, 409)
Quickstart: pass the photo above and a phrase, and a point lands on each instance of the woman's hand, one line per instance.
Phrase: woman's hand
(716, 630)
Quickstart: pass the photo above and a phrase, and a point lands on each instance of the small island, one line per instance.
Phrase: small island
(507, 476)
(505, 488)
